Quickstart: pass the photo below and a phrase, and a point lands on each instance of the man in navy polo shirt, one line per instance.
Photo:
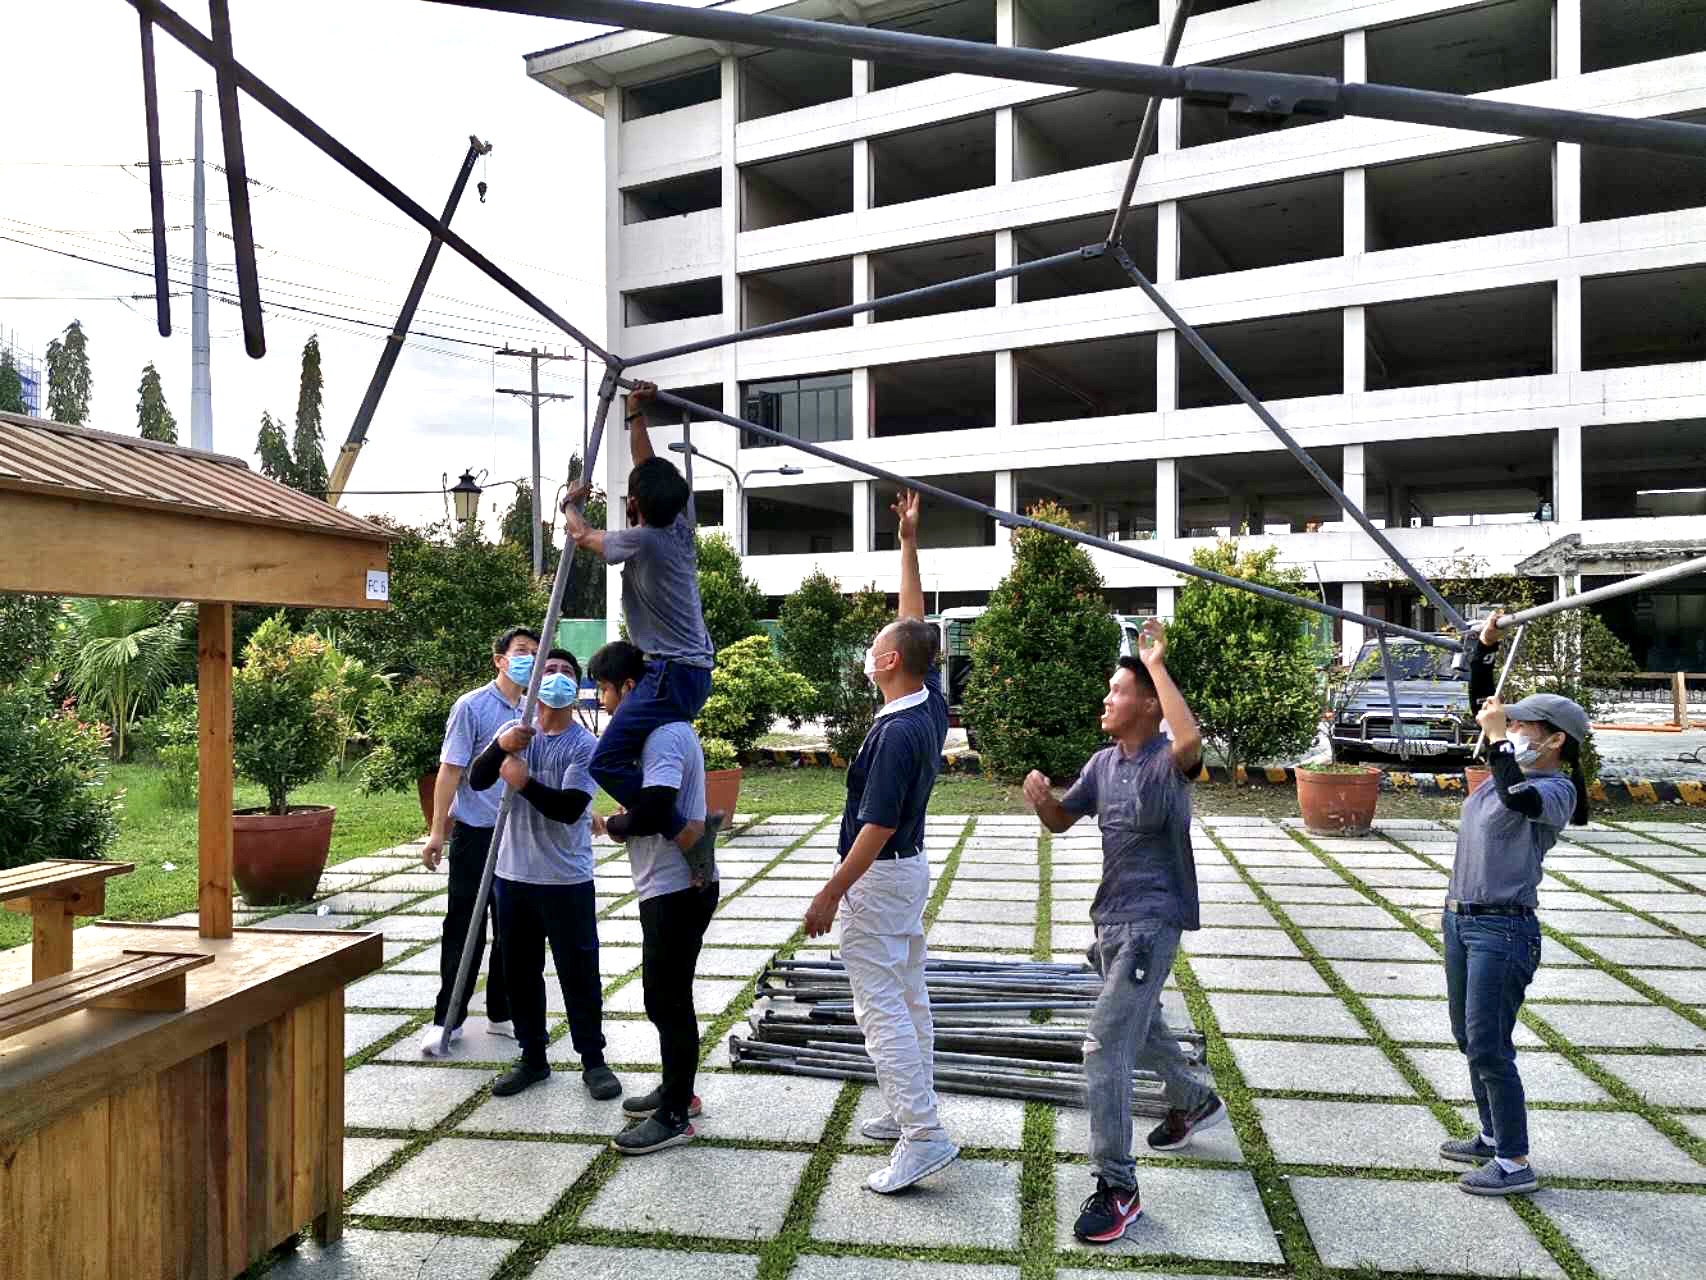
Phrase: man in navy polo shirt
(883, 882)
(464, 818)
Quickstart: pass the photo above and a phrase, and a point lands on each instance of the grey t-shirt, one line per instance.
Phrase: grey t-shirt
(660, 591)
(474, 720)
(1499, 851)
(1143, 805)
(671, 758)
(537, 850)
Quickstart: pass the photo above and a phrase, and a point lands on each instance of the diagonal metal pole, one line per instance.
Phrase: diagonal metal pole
(1297, 451)
(237, 180)
(1499, 688)
(1392, 697)
(553, 611)
(1151, 121)
(156, 183)
(1014, 520)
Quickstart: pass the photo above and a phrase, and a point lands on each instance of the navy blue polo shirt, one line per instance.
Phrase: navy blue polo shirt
(889, 781)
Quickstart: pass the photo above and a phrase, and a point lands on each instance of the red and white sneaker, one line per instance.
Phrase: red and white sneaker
(1107, 1213)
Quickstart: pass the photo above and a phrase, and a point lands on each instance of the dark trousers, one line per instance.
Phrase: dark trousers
(669, 692)
(1489, 962)
(468, 846)
(672, 929)
(566, 916)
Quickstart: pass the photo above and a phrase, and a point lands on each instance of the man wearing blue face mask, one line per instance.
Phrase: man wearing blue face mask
(544, 879)
(463, 818)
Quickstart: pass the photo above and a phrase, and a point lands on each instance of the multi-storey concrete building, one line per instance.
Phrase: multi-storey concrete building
(1498, 347)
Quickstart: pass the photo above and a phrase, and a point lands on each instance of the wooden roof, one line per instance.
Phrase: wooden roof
(88, 513)
(49, 457)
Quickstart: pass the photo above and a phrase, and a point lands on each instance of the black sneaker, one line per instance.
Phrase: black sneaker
(647, 1103)
(654, 1133)
(601, 1083)
(1107, 1213)
(1176, 1130)
(523, 1075)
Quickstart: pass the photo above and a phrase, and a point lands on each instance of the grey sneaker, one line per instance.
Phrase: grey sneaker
(884, 1128)
(652, 1134)
(1466, 1150)
(1491, 1180)
(647, 1103)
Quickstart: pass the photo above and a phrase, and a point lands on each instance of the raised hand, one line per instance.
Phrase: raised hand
(1152, 643)
(905, 508)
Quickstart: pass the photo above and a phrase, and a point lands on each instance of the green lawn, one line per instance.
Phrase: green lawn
(152, 834)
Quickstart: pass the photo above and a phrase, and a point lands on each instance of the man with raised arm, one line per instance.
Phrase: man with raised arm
(1140, 791)
(883, 881)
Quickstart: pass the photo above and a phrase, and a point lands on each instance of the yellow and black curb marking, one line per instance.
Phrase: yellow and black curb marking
(1606, 791)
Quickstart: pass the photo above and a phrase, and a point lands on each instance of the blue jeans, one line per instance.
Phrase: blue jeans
(1489, 962)
(566, 916)
(667, 693)
(1127, 1031)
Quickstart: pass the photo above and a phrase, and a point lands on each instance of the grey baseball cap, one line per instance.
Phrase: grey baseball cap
(1553, 708)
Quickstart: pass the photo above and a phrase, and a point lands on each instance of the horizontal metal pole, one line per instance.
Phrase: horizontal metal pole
(856, 308)
(185, 34)
(1013, 520)
(1242, 90)
(1640, 582)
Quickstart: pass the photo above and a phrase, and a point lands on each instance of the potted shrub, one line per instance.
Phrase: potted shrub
(750, 688)
(408, 725)
(286, 734)
(1338, 799)
(722, 776)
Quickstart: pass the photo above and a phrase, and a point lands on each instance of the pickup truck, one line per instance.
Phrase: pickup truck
(1433, 704)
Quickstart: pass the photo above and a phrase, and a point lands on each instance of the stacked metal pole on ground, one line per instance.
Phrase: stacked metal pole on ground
(987, 1042)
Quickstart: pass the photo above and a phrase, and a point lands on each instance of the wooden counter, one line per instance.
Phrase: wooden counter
(183, 1144)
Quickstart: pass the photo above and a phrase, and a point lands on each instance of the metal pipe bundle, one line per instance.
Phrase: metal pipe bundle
(987, 1043)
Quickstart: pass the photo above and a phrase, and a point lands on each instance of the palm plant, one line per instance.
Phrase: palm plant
(121, 655)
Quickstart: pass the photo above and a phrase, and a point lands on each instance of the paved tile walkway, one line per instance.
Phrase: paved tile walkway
(1316, 979)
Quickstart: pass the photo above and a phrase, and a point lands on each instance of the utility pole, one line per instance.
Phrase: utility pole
(534, 395)
(201, 355)
(394, 340)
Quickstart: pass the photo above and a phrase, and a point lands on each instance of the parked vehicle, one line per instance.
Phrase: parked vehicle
(1433, 705)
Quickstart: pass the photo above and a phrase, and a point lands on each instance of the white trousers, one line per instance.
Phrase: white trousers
(882, 943)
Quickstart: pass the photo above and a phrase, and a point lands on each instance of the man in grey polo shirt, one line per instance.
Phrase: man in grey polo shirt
(1139, 789)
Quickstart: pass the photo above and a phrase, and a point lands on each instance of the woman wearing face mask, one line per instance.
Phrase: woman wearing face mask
(1492, 938)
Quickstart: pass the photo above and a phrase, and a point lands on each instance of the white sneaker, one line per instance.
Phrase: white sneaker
(505, 1028)
(884, 1128)
(430, 1039)
(912, 1160)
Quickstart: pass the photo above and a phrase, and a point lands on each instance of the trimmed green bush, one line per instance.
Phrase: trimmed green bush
(408, 725)
(53, 803)
(1041, 655)
(285, 711)
(749, 689)
(731, 601)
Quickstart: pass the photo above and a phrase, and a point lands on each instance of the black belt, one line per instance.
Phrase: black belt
(1484, 909)
(894, 856)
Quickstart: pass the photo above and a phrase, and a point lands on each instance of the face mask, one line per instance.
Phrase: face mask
(871, 663)
(521, 668)
(1527, 751)
(558, 690)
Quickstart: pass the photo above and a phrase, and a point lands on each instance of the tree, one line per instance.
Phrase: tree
(11, 386)
(274, 451)
(154, 421)
(121, 655)
(853, 698)
(27, 628)
(1041, 654)
(750, 688)
(1246, 664)
(811, 620)
(731, 601)
(308, 442)
(69, 382)
(516, 528)
(284, 714)
(53, 803)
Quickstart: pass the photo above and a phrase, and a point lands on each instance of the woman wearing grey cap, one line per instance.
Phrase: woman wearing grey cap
(1492, 939)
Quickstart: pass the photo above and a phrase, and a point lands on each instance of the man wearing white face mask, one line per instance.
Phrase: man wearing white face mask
(883, 882)
(463, 818)
(544, 879)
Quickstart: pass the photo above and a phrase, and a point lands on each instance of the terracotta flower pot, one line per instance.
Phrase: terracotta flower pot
(1338, 803)
(279, 858)
(722, 790)
(1474, 778)
(425, 786)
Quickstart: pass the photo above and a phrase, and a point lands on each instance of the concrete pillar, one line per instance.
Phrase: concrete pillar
(861, 175)
(1006, 389)
(1015, 26)
(1166, 371)
(1004, 146)
(861, 77)
(1167, 242)
(1353, 473)
(1356, 212)
(1566, 39)
(1567, 475)
(1166, 599)
(1567, 184)
(864, 515)
(1006, 255)
(1006, 499)
(1567, 325)
(1239, 509)
(863, 407)
(1166, 499)
(1356, 350)
(862, 289)
(1351, 633)
(1356, 57)
(1167, 120)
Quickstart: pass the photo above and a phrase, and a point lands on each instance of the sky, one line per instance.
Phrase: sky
(403, 83)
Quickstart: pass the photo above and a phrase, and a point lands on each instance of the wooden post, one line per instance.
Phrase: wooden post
(1679, 699)
(213, 692)
(51, 924)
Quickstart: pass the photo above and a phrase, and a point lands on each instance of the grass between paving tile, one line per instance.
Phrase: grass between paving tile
(945, 877)
(1043, 947)
(1037, 1258)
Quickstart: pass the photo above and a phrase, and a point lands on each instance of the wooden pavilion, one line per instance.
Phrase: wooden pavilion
(171, 1105)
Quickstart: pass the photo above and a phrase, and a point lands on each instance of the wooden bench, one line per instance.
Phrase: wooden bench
(52, 893)
(141, 981)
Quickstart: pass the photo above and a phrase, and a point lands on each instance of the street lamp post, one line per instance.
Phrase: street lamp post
(466, 496)
(692, 451)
